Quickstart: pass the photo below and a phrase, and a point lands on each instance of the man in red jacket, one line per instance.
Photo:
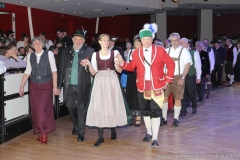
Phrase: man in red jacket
(151, 80)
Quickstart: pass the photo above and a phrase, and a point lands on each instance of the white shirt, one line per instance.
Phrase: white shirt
(2, 67)
(197, 64)
(48, 44)
(148, 57)
(51, 60)
(94, 58)
(130, 55)
(184, 58)
(211, 59)
(20, 44)
(234, 54)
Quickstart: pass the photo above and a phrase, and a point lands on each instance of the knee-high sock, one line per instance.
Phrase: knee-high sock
(148, 124)
(164, 110)
(155, 127)
(231, 79)
(177, 112)
(100, 133)
(208, 89)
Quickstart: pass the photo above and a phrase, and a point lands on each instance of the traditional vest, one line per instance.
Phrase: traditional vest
(74, 70)
(192, 70)
(229, 52)
(41, 72)
(105, 64)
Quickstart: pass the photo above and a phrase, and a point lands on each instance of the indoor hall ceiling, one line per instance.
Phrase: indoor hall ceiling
(103, 8)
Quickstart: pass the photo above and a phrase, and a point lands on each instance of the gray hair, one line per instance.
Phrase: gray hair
(174, 34)
(39, 39)
(184, 39)
(200, 43)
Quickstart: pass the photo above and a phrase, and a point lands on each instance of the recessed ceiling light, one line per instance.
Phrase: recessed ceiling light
(79, 4)
(65, 0)
(102, 12)
(63, 9)
(74, 12)
(21, 2)
(80, 13)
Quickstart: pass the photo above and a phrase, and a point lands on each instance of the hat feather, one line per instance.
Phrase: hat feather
(152, 26)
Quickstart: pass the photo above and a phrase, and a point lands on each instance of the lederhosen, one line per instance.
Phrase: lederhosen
(177, 92)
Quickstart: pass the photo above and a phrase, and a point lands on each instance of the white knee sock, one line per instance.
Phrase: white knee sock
(155, 127)
(231, 79)
(164, 110)
(148, 124)
(177, 112)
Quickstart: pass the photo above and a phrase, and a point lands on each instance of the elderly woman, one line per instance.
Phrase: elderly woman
(106, 107)
(42, 70)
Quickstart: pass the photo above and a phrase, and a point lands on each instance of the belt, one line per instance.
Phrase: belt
(42, 77)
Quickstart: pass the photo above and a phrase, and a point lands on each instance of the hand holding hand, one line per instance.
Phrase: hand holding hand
(118, 59)
(85, 62)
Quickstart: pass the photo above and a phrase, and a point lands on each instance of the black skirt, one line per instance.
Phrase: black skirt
(131, 92)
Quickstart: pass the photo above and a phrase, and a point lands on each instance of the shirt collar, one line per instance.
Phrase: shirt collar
(149, 48)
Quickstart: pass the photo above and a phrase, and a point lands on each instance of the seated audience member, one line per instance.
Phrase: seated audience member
(2, 42)
(7, 52)
(21, 52)
(28, 50)
(24, 41)
(47, 42)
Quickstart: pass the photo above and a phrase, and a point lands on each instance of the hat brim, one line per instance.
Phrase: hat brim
(79, 35)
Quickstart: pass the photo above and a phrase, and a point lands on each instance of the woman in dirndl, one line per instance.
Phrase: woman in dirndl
(42, 70)
(106, 107)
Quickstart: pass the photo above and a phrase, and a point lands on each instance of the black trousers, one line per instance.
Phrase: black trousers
(217, 69)
(77, 111)
(149, 107)
(189, 92)
(201, 87)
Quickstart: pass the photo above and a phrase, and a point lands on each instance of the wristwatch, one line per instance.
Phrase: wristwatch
(182, 78)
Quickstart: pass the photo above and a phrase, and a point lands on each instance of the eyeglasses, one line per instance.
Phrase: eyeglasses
(105, 40)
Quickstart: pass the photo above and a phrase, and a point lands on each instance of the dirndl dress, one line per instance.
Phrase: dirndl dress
(106, 105)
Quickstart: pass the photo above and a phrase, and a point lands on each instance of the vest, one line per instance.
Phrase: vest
(229, 52)
(209, 49)
(41, 72)
(192, 70)
(107, 63)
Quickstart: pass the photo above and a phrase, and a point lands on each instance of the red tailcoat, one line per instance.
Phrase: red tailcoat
(159, 58)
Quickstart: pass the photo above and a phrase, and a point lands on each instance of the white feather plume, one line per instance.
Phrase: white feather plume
(152, 26)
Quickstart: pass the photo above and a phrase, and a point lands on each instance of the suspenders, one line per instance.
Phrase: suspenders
(176, 59)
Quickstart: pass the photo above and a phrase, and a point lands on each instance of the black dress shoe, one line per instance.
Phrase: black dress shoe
(163, 122)
(194, 111)
(80, 138)
(147, 138)
(155, 144)
(230, 85)
(175, 123)
(200, 100)
(74, 131)
(98, 143)
(207, 97)
(113, 136)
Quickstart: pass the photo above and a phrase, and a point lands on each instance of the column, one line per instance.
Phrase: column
(206, 24)
(161, 20)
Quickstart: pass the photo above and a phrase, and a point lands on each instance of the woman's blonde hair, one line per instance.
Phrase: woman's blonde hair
(103, 35)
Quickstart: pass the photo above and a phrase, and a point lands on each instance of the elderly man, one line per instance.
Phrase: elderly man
(77, 82)
(193, 77)
(231, 60)
(183, 61)
(205, 69)
(149, 62)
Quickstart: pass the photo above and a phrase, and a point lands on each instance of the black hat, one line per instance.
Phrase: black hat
(113, 39)
(79, 33)
(217, 41)
(10, 32)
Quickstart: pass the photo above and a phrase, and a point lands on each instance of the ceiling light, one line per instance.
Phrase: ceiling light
(21, 2)
(217, 6)
(79, 4)
(74, 12)
(57, 1)
(102, 12)
(65, 0)
(174, 0)
(97, 10)
(127, 9)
